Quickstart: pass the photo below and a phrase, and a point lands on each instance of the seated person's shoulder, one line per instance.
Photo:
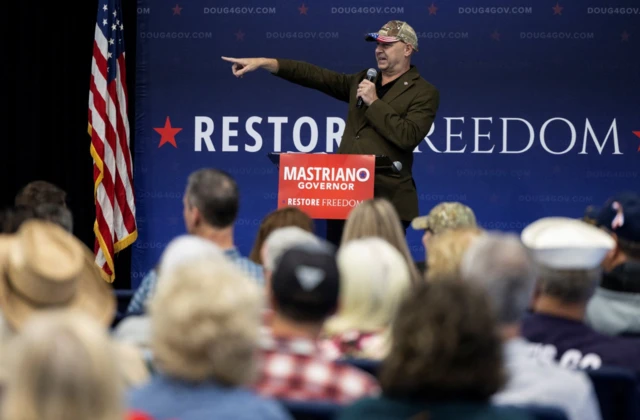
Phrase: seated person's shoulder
(390, 409)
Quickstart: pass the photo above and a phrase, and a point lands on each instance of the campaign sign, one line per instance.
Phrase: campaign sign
(325, 186)
(539, 104)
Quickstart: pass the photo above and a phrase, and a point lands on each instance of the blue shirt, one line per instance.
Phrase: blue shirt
(165, 398)
(147, 287)
(576, 345)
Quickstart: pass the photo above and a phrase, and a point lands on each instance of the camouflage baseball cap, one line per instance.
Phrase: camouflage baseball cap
(394, 31)
(447, 215)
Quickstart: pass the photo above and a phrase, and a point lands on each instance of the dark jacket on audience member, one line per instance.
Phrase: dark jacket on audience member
(575, 345)
(392, 409)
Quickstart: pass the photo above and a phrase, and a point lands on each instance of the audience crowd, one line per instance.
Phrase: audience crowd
(491, 325)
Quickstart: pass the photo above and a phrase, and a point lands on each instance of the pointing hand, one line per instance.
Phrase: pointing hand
(243, 65)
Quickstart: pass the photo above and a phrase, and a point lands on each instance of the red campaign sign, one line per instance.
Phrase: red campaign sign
(325, 186)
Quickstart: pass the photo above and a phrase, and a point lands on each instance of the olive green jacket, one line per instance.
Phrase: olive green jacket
(392, 126)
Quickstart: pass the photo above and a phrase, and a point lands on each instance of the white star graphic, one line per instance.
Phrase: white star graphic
(117, 21)
(113, 27)
(115, 12)
(109, 55)
(121, 27)
(104, 22)
(105, 7)
(107, 69)
(110, 41)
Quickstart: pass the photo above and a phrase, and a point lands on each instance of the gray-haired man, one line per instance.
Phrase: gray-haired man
(501, 265)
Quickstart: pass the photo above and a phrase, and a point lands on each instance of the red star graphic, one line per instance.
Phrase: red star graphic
(303, 9)
(557, 9)
(168, 134)
(637, 133)
(240, 35)
(176, 10)
(625, 36)
(433, 9)
(495, 35)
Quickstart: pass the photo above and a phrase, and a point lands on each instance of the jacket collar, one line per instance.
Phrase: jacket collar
(403, 83)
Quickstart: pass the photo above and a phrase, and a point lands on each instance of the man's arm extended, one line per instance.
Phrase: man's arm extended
(337, 85)
(241, 66)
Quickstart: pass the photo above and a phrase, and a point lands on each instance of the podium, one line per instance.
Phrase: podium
(328, 186)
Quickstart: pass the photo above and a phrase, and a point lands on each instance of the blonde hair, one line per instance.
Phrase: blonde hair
(447, 250)
(63, 368)
(204, 322)
(374, 281)
(377, 217)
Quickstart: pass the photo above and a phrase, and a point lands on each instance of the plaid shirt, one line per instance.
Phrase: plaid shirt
(147, 287)
(295, 369)
(355, 344)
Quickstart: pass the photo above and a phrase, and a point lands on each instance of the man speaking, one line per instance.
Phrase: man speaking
(390, 110)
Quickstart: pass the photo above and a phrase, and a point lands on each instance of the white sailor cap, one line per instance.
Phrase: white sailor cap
(567, 244)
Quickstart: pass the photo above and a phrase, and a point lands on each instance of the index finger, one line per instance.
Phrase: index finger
(230, 59)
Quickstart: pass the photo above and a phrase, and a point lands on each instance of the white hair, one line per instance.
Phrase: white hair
(375, 279)
(205, 320)
(501, 264)
(62, 365)
(187, 248)
(283, 239)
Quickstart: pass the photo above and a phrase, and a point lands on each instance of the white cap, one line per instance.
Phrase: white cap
(564, 243)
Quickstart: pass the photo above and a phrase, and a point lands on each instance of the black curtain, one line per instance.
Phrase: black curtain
(47, 59)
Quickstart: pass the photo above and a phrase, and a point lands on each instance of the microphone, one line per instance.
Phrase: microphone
(397, 166)
(372, 74)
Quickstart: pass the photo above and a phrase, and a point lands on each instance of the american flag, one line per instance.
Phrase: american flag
(115, 224)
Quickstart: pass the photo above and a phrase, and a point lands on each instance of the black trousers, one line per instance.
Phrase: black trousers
(335, 228)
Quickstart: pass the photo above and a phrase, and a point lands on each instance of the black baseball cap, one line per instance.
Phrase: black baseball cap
(306, 282)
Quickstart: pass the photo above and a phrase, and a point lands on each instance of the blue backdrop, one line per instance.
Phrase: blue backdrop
(539, 103)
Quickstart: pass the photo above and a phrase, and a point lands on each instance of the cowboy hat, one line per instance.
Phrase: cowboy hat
(43, 267)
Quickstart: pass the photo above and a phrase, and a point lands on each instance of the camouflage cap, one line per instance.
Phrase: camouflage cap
(447, 215)
(394, 31)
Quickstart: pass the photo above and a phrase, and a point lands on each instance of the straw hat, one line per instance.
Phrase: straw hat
(43, 267)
